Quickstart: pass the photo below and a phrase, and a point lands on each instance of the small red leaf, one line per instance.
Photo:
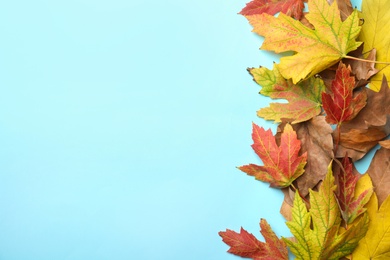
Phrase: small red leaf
(292, 8)
(246, 245)
(342, 105)
(282, 164)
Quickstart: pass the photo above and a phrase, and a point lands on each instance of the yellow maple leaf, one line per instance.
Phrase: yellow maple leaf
(375, 34)
(376, 243)
(316, 49)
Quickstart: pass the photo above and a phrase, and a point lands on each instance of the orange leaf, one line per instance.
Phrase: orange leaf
(246, 245)
(282, 164)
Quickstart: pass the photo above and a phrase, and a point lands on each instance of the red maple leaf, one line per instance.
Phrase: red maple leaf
(282, 164)
(246, 245)
(350, 206)
(292, 8)
(342, 105)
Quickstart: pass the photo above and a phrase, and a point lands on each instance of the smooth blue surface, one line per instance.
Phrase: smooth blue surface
(121, 126)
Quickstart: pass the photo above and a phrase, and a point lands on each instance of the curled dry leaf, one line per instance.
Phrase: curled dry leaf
(372, 124)
(385, 144)
(379, 172)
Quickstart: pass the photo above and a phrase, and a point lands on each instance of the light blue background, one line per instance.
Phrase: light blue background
(121, 126)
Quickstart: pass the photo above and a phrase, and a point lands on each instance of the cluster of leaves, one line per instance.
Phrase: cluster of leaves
(338, 110)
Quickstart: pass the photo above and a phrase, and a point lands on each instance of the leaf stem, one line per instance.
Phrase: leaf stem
(370, 61)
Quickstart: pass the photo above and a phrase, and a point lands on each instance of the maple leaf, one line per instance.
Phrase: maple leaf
(316, 49)
(350, 201)
(372, 124)
(304, 98)
(376, 243)
(325, 239)
(290, 7)
(282, 164)
(379, 171)
(245, 244)
(375, 34)
(316, 140)
(341, 105)
(345, 8)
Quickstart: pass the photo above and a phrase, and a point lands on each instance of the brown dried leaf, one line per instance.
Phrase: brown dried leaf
(379, 172)
(316, 140)
(385, 144)
(371, 125)
(345, 8)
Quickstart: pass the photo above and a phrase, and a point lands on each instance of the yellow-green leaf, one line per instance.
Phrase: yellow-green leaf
(316, 49)
(375, 34)
(325, 239)
(376, 243)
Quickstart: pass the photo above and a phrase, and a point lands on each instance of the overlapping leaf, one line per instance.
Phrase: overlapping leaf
(325, 239)
(376, 243)
(289, 7)
(372, 124)
(350, 201)
(375, 34)
(304, 97)
(316, 49)
(246, 245)
(282, 164)
(341, 104)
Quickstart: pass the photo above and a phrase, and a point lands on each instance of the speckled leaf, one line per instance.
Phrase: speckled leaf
(292, 8)
(304, 98)
(282, 164)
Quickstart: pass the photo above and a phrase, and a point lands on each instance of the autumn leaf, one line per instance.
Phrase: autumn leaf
(351, 203)
(376, 243)
(246, 245)
(375, 34)
(282, 164)
(379, 171)
(345, 8)
(341, 104)
(385, 144)
(290, 7)
(304, 97)
(316, 49)
(325, 239)
(372, 124)
(316, 140)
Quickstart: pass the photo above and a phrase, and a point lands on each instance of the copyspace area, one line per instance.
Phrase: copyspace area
(122, 123)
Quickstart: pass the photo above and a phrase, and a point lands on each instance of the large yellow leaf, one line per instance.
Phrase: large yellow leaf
(375, 34)
(376, 243)
(316, 49)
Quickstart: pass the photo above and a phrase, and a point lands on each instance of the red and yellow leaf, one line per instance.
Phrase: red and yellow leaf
(304, 97)
(292, 8)
(341, 104)
(246, 245)
(282, 164)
